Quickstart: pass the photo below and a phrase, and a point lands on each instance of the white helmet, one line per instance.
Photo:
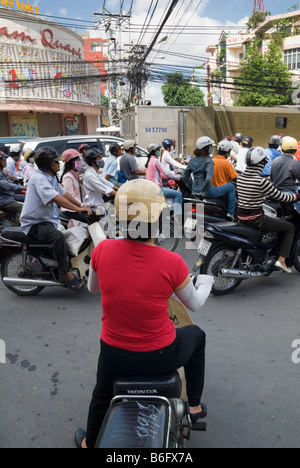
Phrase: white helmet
(225, 146)
(203, 142)
(16, 148)
(255, 156)
(128, 144)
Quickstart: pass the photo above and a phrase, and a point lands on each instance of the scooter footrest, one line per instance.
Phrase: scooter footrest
(199, 427)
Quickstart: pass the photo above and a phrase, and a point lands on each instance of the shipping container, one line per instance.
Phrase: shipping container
(148, 124)
(258, 122)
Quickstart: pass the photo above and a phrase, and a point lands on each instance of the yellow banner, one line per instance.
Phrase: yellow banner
(21, 6)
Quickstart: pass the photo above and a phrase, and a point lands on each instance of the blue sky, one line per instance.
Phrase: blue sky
(220, 13)
(230, 11)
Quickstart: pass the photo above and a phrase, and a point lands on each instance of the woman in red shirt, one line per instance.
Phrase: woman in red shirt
(138, 338)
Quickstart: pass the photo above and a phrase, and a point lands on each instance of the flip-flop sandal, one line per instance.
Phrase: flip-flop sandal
(76, 285)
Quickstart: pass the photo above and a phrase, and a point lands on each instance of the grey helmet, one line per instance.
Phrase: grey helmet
(204, 142)
(153, 147)
(275, 140)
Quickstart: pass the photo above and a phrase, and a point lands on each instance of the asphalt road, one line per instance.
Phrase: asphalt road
(252, 385)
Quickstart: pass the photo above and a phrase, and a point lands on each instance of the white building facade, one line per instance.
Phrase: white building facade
(229, 53)
(46, 87)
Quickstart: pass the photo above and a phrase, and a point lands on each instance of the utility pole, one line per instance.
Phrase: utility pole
(113, 24)
(258, 6)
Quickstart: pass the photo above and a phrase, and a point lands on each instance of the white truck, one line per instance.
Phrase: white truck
(148, 124)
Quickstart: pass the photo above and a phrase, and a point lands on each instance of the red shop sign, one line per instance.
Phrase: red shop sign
(47, 38)
(15, 35)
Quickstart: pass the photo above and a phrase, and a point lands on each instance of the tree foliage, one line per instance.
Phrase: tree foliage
(265, 80)
(178, 91)
(256, 19)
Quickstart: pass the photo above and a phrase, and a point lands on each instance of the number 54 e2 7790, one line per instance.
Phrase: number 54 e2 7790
(156, 130)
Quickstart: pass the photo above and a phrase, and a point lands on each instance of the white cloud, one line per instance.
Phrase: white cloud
(63, 11)
(189, 44)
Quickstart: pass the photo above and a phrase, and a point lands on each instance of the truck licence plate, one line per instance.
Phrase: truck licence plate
(204, 247)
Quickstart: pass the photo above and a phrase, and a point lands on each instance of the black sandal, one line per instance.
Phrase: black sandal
(76, 284)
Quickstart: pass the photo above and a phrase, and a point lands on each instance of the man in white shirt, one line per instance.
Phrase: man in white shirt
(95, 186)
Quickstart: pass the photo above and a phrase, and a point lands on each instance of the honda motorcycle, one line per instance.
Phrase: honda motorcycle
(28, 266)
(150, 412)
(234, 252)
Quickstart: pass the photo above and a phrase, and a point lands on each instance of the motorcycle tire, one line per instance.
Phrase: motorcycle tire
(9, 269)
(214, 262)
(297, 256)
(167, 238)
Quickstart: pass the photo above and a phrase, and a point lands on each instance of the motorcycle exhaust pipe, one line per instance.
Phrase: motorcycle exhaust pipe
(239, 274)
(30, 282)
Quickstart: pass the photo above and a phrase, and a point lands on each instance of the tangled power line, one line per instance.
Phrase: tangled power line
(139, 68)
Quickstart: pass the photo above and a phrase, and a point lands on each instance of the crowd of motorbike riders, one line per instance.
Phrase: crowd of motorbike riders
(241, 172)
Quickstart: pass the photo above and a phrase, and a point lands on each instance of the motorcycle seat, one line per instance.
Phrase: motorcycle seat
(17, 235)
(169, 386)
(221, 201)
(135, 424)
(241, 230)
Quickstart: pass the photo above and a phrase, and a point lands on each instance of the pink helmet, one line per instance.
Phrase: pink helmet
(70, 154)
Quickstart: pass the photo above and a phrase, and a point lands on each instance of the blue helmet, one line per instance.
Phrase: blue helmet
(167, 143)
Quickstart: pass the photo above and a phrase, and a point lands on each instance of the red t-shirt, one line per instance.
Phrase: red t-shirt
(136, 282)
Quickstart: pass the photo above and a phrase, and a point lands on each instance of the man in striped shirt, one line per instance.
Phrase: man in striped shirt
(252, 189)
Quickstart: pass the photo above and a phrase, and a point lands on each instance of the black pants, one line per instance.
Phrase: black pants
(188, 351)
(46, 232)
(267, 224)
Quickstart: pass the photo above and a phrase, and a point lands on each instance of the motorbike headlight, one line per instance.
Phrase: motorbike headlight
(208, 235)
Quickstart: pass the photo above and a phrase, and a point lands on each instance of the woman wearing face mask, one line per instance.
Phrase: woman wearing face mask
(94, 185)
(70, 181)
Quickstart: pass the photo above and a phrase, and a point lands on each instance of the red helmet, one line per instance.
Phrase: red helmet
(84, 146)
(70, 154)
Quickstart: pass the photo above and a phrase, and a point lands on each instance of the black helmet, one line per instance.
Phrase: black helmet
(238, 137)
(114, 148)
(44, 157)
(247, 142)
(92, 155)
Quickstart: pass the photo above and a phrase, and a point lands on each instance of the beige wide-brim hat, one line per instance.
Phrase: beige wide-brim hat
(141, 201)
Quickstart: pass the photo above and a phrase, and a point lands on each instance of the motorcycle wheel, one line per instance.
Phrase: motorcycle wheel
(297, 257)
(167, 238)
(10, 268)
(222, 257)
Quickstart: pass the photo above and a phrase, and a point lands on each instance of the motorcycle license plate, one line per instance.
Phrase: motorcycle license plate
(190, 223)
(204, 247)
